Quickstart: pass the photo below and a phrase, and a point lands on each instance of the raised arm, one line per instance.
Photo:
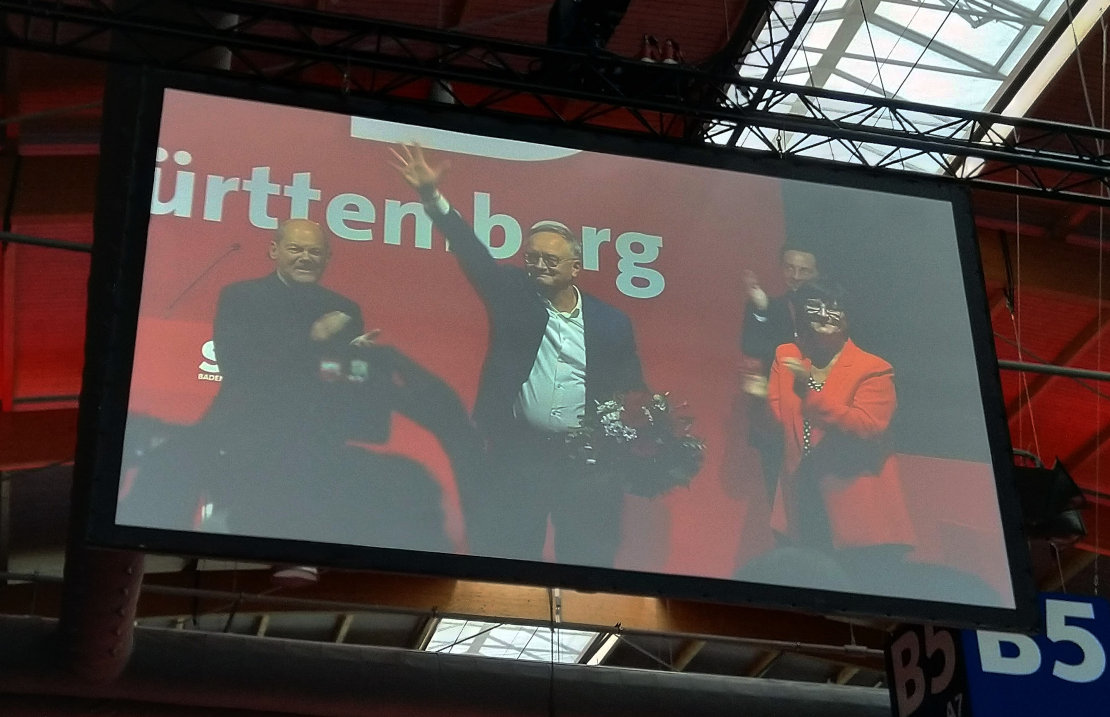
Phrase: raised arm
(474, 258)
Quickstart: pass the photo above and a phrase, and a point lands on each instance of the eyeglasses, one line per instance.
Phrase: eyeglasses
(534, 258)
(817, 307)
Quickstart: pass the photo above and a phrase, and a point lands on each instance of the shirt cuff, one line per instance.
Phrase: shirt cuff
(441, 204)
(435, 203)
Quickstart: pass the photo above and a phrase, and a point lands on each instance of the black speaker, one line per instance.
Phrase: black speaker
(1050, 503)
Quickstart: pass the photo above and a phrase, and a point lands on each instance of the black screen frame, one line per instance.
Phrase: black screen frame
(132, 114)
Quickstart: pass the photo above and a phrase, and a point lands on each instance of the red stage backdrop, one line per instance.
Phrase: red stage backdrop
(665, 243)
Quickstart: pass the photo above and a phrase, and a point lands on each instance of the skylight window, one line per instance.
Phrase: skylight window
(951, 53)
(510, 642)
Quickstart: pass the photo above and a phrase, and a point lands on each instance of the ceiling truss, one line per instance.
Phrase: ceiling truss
(294, 46)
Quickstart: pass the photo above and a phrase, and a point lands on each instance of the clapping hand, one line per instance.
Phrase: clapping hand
(370, 338)
(756, 295)
(328, 325)
(797, 366)
(801, 370)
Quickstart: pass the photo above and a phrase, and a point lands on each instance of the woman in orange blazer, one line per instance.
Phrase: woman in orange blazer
(839, 489)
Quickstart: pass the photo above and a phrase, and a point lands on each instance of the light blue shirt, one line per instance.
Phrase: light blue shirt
(553, 399)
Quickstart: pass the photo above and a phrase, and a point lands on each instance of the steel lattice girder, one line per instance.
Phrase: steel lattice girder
(278, 44)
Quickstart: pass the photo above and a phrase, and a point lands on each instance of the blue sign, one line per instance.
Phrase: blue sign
(1061, 670)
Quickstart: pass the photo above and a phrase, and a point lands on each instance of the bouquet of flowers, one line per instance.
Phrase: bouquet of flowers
(640, 439)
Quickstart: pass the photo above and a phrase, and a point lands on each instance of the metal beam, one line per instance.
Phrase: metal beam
(786, 20)
(10, 238)
(211, 673)
(924, 41)
(1053, 370)
(170, 594)
(289, 46)
(1087, 337)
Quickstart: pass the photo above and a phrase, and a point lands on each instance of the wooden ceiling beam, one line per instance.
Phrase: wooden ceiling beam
(5, 523)
(845, 675)
(170, 594)
(762, 662)
(1088, 449)
(8, 252)
(9, 71)
(424, 633)
(1070, 221)
(1065, 269)
(1083, 340)
(460, 22)
(33, 439)
(1096, 516)
(686, 653)
(343, 624)
(1007, 226)
(453, 16)
(1075, 561)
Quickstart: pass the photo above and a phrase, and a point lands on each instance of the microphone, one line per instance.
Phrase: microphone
(230, 250)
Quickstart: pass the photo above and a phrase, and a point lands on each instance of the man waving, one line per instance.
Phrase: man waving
(554, 351)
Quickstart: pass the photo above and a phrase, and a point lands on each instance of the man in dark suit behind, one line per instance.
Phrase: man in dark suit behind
(769, 323)
(553, 353)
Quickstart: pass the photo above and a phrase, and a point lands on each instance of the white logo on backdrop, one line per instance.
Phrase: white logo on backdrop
(429, 138)
(209, 370)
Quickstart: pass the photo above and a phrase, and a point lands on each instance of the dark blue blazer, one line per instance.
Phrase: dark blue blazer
(760, 339)
(517, 319)
(271, 388)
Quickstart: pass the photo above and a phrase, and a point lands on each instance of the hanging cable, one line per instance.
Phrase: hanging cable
(800, 47)
(924, 48)
(874, 53)
(875, 56)
(1015, 320)
(897, 41)
(1098, 348)
(1082, 75)
(1059, 567)
(551, 598)
(1101, 216)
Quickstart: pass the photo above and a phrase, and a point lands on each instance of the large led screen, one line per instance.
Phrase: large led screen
(438, 346)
